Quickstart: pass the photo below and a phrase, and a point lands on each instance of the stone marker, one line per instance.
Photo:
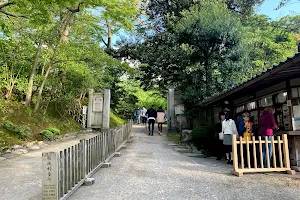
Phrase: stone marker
(50, 176)
(117, 154)
(89, 181)
(106, 165)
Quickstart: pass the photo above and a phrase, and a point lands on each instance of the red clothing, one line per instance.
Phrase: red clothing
(266, 124)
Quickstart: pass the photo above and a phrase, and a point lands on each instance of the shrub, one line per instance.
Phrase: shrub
(55, 131)
(47, 135)
(203, 138)
(23, 132)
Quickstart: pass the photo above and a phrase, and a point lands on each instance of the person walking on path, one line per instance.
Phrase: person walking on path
(152, 114)
(143, 114)
(228, 129)
(266, 124)
(138, 115)
(160, 119)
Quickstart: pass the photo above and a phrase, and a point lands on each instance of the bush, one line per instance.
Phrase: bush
(201, 132)
(203, 138)
(23, 132)
(55, 131)
(47, 135)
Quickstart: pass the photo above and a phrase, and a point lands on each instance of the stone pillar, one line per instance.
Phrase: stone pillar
(171, 109)
(90, 109)
(106, 110)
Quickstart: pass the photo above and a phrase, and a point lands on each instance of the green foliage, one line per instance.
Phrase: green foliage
(174, 137)
(22, 132)
(47, 135)
(130, 96)
(201, 132)
(55, 131)
(115, 120)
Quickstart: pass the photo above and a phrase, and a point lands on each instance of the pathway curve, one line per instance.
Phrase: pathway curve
(151, 169)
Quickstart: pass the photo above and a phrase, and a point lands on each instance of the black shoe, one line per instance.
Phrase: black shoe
(149, 134)
(231, 162)
(228, 162)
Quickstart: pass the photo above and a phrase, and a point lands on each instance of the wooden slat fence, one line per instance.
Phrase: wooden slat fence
(248, 155)
(64, 172)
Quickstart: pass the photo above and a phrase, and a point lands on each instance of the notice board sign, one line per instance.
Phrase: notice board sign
(97, 102)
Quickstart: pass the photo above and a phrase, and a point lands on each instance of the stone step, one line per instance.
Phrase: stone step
(197, 155)
(184, 150)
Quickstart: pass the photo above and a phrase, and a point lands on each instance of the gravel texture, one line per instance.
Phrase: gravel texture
(149, 169)
(21, 176)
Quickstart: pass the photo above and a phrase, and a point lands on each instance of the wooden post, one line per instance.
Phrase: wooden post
(242, 153)
(50, 176)
(260, 153)
(66, 171)
(286, 155)
(61, 174)
(286, 152)
(235, 170)
(254, 152)
(248, 152)
(267, 151)
(234, 152)
(83, 160)
(279, 151)
(274, 154)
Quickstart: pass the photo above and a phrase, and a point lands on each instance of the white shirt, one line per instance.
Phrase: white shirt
(229, 127)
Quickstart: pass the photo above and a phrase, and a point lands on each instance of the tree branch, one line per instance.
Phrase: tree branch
(3, 4)
(72, 10)
(104, 42)
(13, 15)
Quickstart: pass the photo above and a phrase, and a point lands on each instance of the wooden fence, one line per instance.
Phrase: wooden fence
(65, 171)
(248, 155)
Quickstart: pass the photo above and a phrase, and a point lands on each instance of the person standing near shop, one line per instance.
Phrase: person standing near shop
(152, 114)
(220, 136)
(245, 131)
(266, 124)
(160, 119)
(143, 114)
(228, 129)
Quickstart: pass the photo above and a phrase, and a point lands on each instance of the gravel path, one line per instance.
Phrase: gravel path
(21, 176)
(151, 169)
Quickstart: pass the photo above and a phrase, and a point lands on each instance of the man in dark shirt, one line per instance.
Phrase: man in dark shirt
(152, 114)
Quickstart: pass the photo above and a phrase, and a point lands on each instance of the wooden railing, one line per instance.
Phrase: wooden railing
(65, 171)
(248, 155)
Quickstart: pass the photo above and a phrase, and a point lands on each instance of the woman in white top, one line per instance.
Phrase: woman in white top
(228, 129)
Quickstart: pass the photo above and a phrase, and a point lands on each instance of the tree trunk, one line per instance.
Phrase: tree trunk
(33, 70)
(109, 36)
(64, 34)
(208, 78)
(37, 105)
(10, 89)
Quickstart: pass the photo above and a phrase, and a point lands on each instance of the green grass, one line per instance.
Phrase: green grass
(21, 115)
(115, 120)
(174, 137)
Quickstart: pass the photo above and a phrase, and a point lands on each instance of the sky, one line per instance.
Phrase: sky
(268, 8)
